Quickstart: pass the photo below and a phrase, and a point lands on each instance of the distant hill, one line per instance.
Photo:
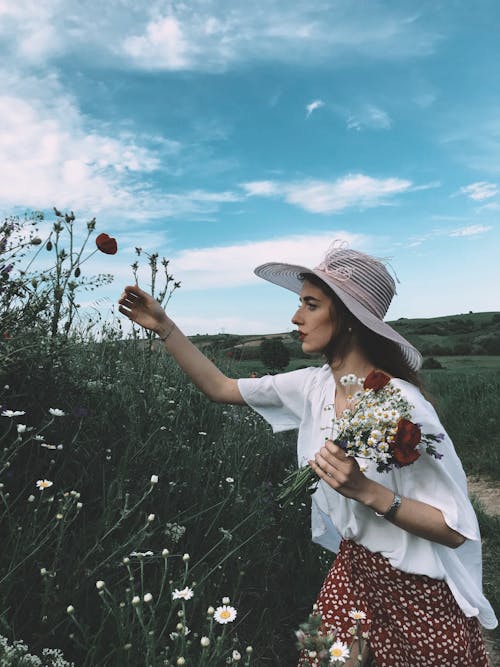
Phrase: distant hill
(471, 333)
(464, 334)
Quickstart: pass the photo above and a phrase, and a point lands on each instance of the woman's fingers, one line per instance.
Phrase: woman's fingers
(324, 465)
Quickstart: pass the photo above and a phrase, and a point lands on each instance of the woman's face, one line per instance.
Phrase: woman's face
(314, 319)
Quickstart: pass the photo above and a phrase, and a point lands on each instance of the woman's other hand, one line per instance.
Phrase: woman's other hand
(339, 471)
(143, 309)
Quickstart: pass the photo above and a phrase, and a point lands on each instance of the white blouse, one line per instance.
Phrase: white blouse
(304, 399)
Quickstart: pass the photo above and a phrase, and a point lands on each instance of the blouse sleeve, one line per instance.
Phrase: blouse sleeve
(440, 482)
(280, 399)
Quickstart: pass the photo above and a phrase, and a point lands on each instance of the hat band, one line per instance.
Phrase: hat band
(377, 308)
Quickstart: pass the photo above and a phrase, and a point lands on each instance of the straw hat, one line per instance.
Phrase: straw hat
(360, 281)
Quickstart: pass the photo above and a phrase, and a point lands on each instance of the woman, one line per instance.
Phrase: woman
(408, 543)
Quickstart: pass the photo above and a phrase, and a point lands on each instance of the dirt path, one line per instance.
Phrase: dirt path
(487, 492)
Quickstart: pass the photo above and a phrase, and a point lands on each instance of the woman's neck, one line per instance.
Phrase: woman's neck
(354, 362)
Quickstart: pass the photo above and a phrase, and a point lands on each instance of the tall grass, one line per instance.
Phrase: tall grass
(130, 415)
(469, 407)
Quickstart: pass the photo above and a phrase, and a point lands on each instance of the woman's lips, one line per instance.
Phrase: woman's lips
(301, 336)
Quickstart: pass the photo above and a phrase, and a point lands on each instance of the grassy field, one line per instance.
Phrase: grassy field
(130, 415)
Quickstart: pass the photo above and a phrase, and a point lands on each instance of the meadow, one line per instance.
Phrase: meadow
(139, 522)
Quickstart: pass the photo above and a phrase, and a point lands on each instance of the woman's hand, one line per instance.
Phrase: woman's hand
(142, 308)
(339, 471)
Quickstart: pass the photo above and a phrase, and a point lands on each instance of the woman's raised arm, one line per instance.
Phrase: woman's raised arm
(143, 309)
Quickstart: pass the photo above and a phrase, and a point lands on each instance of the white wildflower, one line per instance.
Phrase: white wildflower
(44, 484)
(225, 614)
(55, 412)
(184, 594)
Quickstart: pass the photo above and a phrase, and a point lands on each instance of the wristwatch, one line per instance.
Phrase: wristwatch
(394, 506)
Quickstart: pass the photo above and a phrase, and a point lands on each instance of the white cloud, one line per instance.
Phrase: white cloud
(29, 27)
(53, 155)
(232, 266)
(369, 117)
(219, 35)
(354, 190)
(316, 104)
(261, 188)
(221, 324)
(212, 35)
(480, 190)
(471, 230)
(162, 42)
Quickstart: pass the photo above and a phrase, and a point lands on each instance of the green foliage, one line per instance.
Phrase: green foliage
(44, 297)
(431, 363)
(468, 405)
(17, 655)
(473, 333)
(274, 355)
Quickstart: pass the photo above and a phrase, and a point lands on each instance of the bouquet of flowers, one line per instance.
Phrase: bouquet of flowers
(375, 426)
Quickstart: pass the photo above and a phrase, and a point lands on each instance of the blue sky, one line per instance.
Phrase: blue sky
(226, 133)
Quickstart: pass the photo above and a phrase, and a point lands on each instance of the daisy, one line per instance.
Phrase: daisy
(184, 594)
(55, 412)
(43, 484)
(141, 554)
(357, 615)
(339, 652)
(225, 614)
(13, 413)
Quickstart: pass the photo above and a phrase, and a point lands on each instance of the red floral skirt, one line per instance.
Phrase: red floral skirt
(412, 620)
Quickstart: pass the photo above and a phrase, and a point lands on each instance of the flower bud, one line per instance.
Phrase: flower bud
(100, 585)
(205, 641)
(70, 609)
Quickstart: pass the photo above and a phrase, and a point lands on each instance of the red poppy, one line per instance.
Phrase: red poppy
(406, 439)
(376, 380)
(106, 244)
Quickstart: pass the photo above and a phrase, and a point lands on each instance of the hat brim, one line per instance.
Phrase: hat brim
(287, 276)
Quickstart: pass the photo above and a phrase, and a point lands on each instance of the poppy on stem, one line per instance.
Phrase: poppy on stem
(106, 244)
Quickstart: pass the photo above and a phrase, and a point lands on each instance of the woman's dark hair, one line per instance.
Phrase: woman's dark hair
(383, 353)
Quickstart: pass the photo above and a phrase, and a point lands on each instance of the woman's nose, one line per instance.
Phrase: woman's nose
(296, 318)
